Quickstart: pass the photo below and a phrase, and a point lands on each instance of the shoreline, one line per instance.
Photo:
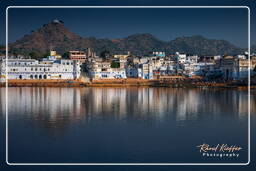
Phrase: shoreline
(123, 83)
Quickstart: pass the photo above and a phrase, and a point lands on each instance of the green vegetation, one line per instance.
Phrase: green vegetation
(65, 55)
(46, 55)
(34, 55)
(115, 64)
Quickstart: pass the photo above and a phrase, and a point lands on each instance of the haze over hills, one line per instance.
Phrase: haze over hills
(55, 35)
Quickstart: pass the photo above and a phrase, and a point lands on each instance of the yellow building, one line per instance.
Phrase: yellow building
(54, 54)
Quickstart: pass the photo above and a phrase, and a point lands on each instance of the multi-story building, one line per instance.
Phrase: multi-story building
(146, 71)
(236, 68)
(100, 69)
(228, 67)
(77, 55)
(34, 69)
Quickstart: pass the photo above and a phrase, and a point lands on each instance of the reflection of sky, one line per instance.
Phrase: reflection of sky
(54, 104)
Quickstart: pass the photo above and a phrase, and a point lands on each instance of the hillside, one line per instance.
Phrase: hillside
(55, 35)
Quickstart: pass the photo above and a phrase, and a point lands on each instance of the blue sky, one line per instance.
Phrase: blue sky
(165, 24)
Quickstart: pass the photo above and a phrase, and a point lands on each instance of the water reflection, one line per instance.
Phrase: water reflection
(155, 104)
(122, 124)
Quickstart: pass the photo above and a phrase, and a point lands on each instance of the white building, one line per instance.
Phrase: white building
(199, 69)
(99, 69)
(34, 69)
(181, 57)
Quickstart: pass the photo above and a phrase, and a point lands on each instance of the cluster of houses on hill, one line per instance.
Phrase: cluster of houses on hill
(121, 66)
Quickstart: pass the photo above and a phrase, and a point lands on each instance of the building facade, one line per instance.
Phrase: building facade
(77, 55)
(100, 69)
(34, 69)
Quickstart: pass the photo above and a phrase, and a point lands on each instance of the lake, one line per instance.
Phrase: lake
(124, 125)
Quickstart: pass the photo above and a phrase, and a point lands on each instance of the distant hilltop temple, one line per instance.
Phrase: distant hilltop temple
(58, 21)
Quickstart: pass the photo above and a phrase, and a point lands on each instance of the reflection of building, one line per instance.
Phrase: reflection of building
(56, 105)
(53, 104)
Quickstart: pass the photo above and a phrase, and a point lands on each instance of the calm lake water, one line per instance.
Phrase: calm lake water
(123, 125)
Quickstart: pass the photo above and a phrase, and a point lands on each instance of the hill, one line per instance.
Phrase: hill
(55, 35)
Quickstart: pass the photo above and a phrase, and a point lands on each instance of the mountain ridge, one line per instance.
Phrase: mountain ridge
(55, 35)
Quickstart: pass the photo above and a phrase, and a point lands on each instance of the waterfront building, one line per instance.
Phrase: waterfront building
(198, 69)
(243, 66)
(228, 67)
(132, 72)
(34, 69)
(164, 67)
(77, 55)
(236, 68)
(145, 71)
(102, 69)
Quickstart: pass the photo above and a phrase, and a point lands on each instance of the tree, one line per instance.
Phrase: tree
(115, 64)
(65, 55)
(33, 55)
(46, 54)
